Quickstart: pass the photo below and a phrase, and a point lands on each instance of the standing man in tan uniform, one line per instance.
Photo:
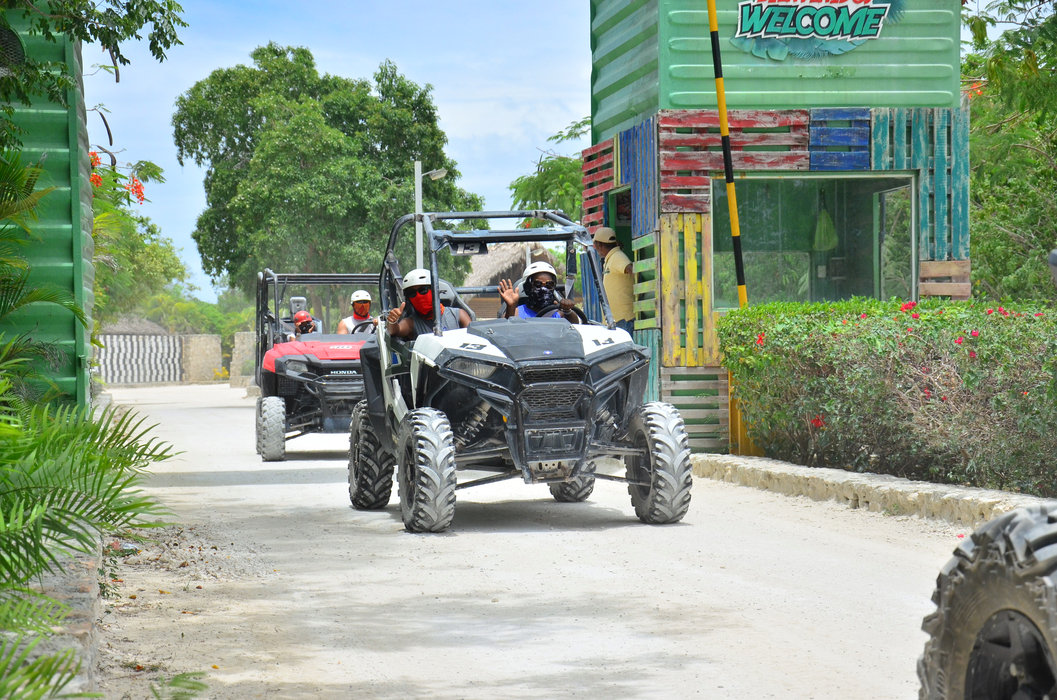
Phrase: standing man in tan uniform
(616, 278)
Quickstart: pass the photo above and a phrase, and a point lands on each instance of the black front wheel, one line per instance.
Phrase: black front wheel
(661, 475)
(994, 630)
(370, 466)
(426, 471)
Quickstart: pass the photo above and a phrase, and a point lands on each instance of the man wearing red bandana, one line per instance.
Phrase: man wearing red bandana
(405, 322)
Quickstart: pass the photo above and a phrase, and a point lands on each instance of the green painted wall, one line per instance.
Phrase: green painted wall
(60, 253)
(656, 54)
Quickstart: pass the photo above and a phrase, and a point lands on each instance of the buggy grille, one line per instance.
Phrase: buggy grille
(552, 402)
(287, 386)
(540, 375)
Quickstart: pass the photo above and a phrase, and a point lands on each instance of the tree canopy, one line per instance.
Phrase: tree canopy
(307, 172)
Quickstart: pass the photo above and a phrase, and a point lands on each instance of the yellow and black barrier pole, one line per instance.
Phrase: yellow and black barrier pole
(739, 437)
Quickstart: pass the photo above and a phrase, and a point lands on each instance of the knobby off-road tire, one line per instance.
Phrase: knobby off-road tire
(271, 429)
(658, 431)
(994, 630)
(426, 471)
(577, 489)
(370, 467)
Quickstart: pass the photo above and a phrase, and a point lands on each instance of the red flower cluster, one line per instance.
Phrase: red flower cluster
(759, 338)
(95, 179)
(818, 422)
(135, 187)
(907, 306)
(94, 158)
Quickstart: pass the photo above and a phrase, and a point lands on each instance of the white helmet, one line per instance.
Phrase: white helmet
(417, 278)
(360, 295)
(537, 267)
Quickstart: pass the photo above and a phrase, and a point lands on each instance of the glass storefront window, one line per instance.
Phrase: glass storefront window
(815, 239)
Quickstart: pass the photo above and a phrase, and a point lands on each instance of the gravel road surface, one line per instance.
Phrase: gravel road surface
(272, 586)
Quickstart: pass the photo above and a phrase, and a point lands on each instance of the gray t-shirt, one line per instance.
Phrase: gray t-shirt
(449, 321)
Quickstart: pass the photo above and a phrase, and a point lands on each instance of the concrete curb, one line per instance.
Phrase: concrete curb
(960, 505)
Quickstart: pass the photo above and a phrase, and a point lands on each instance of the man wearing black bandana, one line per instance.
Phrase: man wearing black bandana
(540, 292)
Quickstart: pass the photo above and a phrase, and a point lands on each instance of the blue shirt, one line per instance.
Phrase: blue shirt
(524, 311)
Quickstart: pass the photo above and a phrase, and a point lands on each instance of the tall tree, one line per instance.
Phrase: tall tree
(307, 172)
(107, 23)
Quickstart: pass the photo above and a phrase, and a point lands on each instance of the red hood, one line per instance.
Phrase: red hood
(320, 350)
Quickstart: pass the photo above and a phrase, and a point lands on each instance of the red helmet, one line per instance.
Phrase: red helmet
(303, 321)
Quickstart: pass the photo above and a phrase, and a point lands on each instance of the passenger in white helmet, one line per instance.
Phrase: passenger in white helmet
(358, 321)
(540, 292)
(410, 321)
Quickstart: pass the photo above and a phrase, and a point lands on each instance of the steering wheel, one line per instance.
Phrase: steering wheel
(363, 327)
(549, 308)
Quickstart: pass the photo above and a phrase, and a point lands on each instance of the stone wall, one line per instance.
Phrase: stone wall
(201, 358)
(243, 358)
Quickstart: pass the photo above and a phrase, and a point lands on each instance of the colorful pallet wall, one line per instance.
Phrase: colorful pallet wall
(597, 181)
(700, 394)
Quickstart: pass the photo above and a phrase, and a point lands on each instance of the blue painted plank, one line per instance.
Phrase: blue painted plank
(879, 141)
(840, 113)
(960, 183)
(920, 158)
(651, 338)
(940, 160)
(840, 160)
(839, 136)
(591, 305)
(900, 159)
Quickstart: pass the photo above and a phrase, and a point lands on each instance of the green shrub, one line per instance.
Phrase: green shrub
(956, 392)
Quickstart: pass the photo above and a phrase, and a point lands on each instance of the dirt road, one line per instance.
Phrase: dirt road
(276, 588)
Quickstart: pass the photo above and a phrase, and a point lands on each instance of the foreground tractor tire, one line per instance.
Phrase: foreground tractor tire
(577, 489)
(426, 471)
(661, 478)
(994, 630)
(370, 467)
(271, 429)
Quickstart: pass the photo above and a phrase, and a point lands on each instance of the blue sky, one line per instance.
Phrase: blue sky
(505, 76)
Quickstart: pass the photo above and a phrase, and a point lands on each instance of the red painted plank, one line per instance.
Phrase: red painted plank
(686, 202)
(738, 118)
(668, 141)
(594, 178)
(602, 160)
(597, 190)
(592, 218)
(684, 182)
(591, 150)
(743, 160)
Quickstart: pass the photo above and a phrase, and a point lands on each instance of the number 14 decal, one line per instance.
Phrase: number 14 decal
(607, 341)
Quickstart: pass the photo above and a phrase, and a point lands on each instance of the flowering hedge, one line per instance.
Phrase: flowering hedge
(957, 392)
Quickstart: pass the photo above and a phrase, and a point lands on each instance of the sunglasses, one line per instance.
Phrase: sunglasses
(412, 292)
(540, 284)
(361, 303)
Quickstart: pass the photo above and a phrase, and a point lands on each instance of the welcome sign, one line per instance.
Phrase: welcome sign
(776, 29)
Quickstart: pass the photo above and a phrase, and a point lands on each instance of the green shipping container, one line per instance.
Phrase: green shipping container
(60, 252)
(650, 55)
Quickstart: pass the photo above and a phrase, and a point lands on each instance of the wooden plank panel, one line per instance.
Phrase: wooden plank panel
(710, 340)
(743, 160)
(687, 182)
(879, 139)
(691, 224)
(671, 291)
(955, 290)
(840, 160)
(675, 203)
(596, 190)
(839, 135)
(797, 137)
(900, 154)
(736, 118)
(599, 176)
(840, 113)
(920, 157)
(597, 148)
(606, 159)
(929, 269)
(650, 338)
(940, 160)
(960, 183)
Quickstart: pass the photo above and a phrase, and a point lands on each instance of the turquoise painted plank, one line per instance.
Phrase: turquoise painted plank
(899, 141)
(879, 141)
(941, 161)
(960, 183)
(651, 338)
(920, 158)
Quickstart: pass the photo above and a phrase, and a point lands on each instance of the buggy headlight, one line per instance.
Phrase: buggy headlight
(296, 366)
(473, 368)
(617, 362)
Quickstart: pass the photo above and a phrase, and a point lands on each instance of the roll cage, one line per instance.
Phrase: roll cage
(475, 241)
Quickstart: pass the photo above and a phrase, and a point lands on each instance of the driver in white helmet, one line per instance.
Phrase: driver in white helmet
(540, 295)
(410, 322)
(361, 315)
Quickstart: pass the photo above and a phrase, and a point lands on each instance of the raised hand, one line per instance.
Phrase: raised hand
(508, 293)
(395, 314)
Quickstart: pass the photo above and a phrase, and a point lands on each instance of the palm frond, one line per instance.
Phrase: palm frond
(30, 611)
(15, 294)
(27, 677)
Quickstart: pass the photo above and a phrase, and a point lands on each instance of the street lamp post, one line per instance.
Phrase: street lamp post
(432, 175)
